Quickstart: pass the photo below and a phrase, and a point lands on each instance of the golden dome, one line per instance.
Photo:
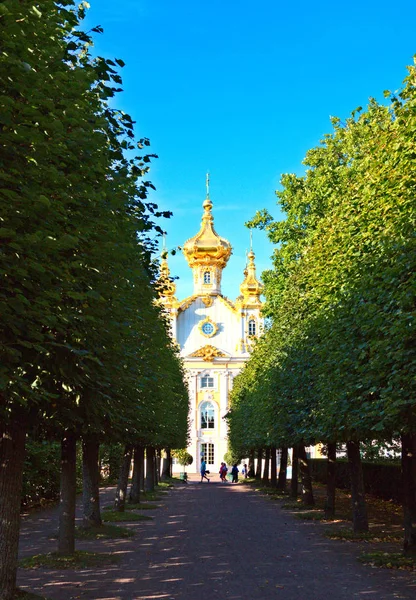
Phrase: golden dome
(251, 288)
(207, 247)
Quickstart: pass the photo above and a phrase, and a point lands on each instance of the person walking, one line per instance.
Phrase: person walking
(203, 471)
(245, 471)
(234, 473)
(223, 472)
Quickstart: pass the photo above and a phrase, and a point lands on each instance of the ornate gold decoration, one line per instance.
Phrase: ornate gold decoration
(214, 325)
(208, 353)
(207, 300)
(207, 248)
(186, 303)
(251, 288)
(165, 285)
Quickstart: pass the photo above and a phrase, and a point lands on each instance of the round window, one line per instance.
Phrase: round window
(208, 328)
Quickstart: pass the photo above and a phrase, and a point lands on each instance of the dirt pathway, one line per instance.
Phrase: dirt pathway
(214, 541)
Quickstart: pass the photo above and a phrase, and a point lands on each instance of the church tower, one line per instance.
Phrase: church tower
(215, 335)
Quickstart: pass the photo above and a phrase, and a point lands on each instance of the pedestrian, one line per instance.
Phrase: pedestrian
(234, 473)
(203, 470)
(223, 472)
(245, 470)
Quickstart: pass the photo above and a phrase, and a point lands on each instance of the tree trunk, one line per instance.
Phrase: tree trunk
(266, 467)
(331, 481)
(166, 460)
(251, 459)
(138, 459)
(359, 507)
(123, 479)
(305, 474)
(409, 491)
(66, 536)
(157, 466)
(281, 484)
(259, 461)
(150, 477)
(294, 481)
(90, 482)
(273, 467)
(12, 454)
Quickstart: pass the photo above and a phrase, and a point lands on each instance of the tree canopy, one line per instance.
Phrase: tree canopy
(338, 362)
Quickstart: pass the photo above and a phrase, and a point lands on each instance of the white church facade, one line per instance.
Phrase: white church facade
(215, 336)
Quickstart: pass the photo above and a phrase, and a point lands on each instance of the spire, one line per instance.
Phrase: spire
(207, 253)
(165, 285)
(251, 288)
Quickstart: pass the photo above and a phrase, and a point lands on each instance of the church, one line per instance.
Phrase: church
(215, 336)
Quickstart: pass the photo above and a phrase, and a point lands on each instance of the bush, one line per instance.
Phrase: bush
(42, 472)
(183, 456)
(381, 479)
(41, 476)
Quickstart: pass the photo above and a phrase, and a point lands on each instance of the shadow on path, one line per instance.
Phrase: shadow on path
(213, 540)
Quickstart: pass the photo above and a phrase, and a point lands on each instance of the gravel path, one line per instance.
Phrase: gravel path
(214, 541)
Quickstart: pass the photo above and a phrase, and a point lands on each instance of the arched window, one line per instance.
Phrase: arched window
(207, 415)
(207, 277)
(252, 327)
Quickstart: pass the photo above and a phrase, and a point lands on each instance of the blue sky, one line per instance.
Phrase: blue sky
(243, 90)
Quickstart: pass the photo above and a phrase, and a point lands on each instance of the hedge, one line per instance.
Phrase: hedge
(382, 479)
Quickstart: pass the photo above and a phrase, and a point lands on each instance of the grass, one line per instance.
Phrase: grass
(311, 515)
(22, 595)
(79, 560)
(114, 516)
(367, 536)
(152, 496)
(165, 484)
(273, 492)
(389, 560)
(295, 505)
(103, 532)
(141, 506)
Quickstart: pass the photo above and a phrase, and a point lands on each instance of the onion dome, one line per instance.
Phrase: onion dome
(207, 247)
(251, 288)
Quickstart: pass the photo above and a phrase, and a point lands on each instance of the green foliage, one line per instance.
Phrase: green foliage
(84, 347)
(84, 343)
(41, 475)
(339, 361)
(184, 458)
(41, 472)
(231, 459)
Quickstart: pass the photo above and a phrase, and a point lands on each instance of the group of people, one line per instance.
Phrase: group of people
(223, 472)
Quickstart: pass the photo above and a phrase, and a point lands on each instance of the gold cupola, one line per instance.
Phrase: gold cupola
(207, 253)
(251, 288)
(166, 287)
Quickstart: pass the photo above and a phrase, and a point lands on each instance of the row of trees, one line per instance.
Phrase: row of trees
(338, 362)
(85, 352)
